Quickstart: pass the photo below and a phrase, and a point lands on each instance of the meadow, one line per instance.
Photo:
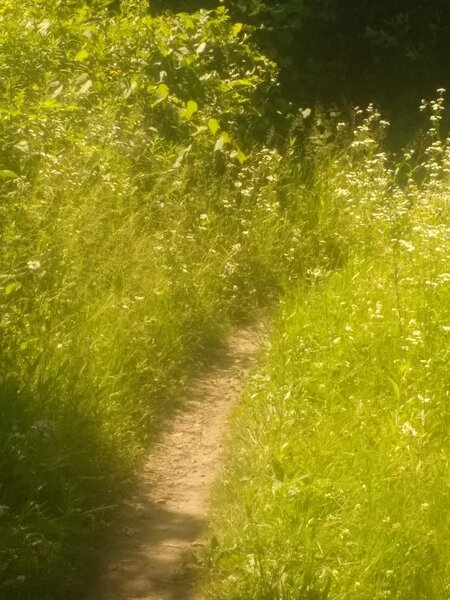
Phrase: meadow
(346, 423)
(147, 203)
(133, 231)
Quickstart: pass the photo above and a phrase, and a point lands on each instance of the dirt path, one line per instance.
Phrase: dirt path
(151, 554)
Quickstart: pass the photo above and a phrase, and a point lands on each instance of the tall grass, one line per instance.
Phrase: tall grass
(109, 297)
(337, 484)
(133, 230)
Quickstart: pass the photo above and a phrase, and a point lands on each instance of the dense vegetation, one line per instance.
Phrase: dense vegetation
(346, 424)
(347, 52)
(132, 228)
(156, 186)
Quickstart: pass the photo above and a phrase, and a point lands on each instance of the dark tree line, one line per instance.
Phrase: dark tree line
(346, 52)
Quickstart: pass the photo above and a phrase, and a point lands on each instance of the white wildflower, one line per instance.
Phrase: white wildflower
(408, 429)
(33, 265)
(406, 245)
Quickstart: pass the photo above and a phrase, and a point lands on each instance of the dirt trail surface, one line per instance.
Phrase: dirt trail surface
(151, 553)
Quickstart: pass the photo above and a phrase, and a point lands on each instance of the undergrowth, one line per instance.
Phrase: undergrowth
(143, 210)
(137, 222)
(337, 483)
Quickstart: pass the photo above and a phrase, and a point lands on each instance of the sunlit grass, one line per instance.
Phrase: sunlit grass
(109, 300)
(337, 485)
(126, 252)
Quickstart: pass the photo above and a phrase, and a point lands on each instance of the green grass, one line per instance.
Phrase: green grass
(110, 300)
(337, 483)
(140, 216)
(128, 244)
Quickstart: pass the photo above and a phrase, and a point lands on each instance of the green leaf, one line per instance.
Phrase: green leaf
(240, 156)
(44, 26)
(201, 48)
(57, 92)
(82, 78)
(130, 89)
(224, 139)
(188, 112)
(237, 27)
(219, 144)
(395, 387)
(23, 147)
(181, 155)
(245, 82)
(83, 54)
(7, 174)
(162, 91)
(12, 287)
(213, 125)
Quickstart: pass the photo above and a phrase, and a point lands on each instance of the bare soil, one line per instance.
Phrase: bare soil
(152, 549)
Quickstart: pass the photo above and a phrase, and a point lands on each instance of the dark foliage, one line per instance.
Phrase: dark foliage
(392, 52)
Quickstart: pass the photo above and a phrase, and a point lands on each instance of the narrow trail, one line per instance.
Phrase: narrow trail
(151, 552)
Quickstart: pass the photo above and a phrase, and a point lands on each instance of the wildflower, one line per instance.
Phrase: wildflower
(230, 268)
(415, 338)
(406, 245)
(33, 265)
(408, 429)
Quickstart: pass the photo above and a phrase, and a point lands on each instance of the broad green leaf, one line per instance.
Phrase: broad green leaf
(162, 91)
(213, 125)
(12, 287)
(240, 156)
(7, 174)
(188, 112)
(237, 27)
(201, 48)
